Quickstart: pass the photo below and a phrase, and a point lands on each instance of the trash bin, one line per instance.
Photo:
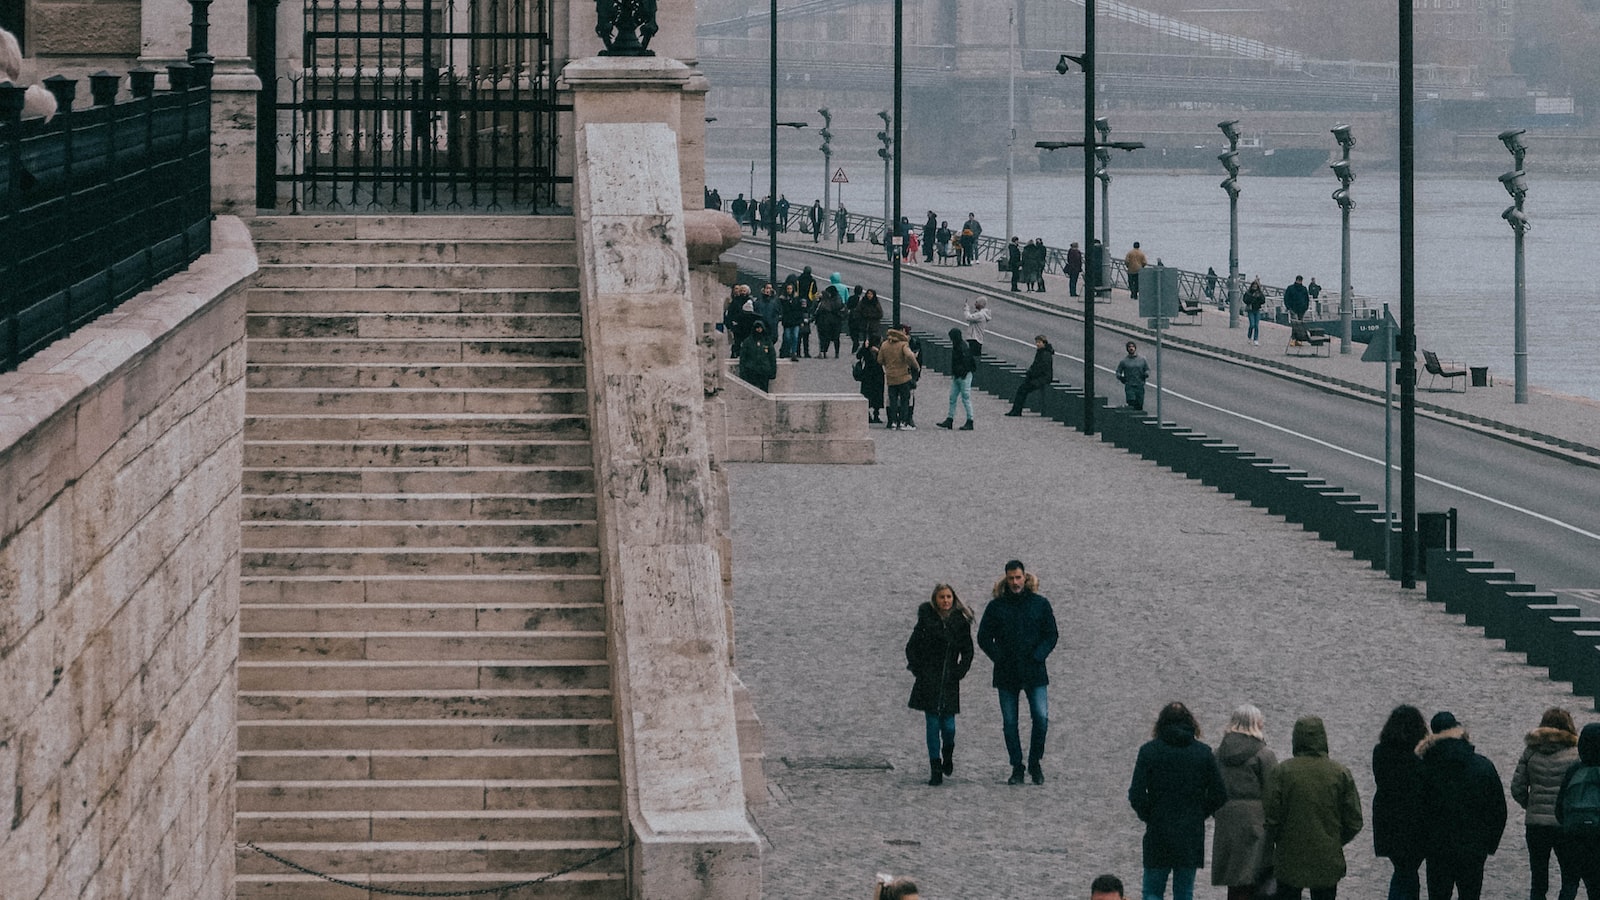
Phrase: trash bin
(1433, 533)
(1480, 375)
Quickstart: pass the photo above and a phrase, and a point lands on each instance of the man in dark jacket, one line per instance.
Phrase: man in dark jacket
(1465, 810)
(1074, 268)
(930, 231)
(1296, 299)
(1039, 375)
(1017, 633)
(1014, 260)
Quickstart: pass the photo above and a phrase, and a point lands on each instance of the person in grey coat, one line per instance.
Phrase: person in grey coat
(1133, 372)
(1551, 749)
(1238, 850)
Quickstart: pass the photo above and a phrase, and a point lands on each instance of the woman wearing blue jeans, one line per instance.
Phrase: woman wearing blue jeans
(1254, 298)
(961, 366)
(939, 654)
(1176, 786)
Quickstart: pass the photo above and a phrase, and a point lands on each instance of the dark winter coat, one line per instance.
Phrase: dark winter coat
(806, 284)
(1176, 786)
(1017, 633)
(871, 312)
(1550, 752)
(1074, 261)
(795, 309)
(871, 376)
(770, 310)
(830, 312)
(1296, 299)
(1464, 804)
(1238, 851)
(1397, 826)
(939, 654)
(758, 361)
(1588, 757)
(1312, 810)
(1013, 257)
(961, 362)
(1255, 298)
(1043, 368)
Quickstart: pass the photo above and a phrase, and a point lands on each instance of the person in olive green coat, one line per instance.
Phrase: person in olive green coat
(1311, 810)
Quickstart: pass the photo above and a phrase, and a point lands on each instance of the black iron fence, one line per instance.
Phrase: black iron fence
(98, 204)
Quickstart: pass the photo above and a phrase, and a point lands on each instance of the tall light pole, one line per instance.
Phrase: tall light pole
(1090, 279)
(827, 180)
(772, 172)
(899, 119)
(886, 153)
(1341, 171)
(1408, 302)
(1011, 120)
(1230, 161)
(1516, 184)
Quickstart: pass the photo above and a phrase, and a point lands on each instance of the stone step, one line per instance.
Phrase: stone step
(411, 300)
(426, 704)
(424, 275)
(372, 228)
(463, 675)
(409, 646)
(421, 480)
(415, 508)
(310, 617)
(412, 350)
(437, 590)
(424, 535)
(414, 251)
(391, 326)
(394, 765)
(598, 793)
(568, 374)
(425, 734)
(417, 401)
(356, 860)
(443, 825)
(572, 886)
(414, 428)
(266, 454)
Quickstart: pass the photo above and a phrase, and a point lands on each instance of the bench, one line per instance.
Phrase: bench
(1305, 341)
(1437, 370)
(1191, 309)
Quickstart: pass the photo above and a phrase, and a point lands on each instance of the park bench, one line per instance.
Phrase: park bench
(1437, 370)
(1305, 341)
(1191, 309)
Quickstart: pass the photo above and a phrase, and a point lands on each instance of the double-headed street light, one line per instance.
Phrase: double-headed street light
(827, 165)
(1341, 171)
(1230, 161)
(1090, 277)
(886, 153)
(1102, 155)
(1516, 184)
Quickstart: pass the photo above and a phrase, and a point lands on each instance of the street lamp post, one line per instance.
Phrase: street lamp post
(1341, 171)
(772, 194)
(1086, 63)
(827, 166)
(899, 120)
(1516, 184)
(1230, 161)
(886, 153)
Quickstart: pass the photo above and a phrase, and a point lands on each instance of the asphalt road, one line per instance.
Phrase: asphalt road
(1527, 511)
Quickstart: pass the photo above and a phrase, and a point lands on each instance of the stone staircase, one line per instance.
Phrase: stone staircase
(424, 694)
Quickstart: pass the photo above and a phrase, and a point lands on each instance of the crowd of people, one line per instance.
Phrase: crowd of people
(1280, 826)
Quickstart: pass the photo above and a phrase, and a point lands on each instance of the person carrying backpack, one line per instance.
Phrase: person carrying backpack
(1578, 808)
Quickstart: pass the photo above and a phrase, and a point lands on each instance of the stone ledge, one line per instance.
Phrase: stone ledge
(781, 427)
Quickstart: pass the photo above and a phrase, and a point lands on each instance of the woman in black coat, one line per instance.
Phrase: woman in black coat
(1176, 786)
(1397, 825)
(869, 372)
(939, 654)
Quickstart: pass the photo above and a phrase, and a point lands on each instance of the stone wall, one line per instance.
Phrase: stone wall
(120, 455)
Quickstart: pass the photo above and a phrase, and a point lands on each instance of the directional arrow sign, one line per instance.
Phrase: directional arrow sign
(839, 177)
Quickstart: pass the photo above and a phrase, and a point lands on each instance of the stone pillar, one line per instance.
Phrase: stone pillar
(645, 89)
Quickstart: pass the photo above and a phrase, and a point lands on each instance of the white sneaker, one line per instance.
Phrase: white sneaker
(909, 427)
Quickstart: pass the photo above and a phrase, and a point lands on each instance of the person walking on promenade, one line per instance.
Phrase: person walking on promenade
(939, 654)
(758, 362)
(1551, 749)
(806, 284)
(841, 224)
(814, 220)
(793, 315)
(971, 230)
(867, 371)
(1397, 824)
(1296, 299)
(1578, 809)
(739, 208)
(770, 310)
(871, 316)
(1311, 811)
(1074, 268)
(1254, 298)
(899, 365)
(738, 316)
(1176, 786)
(1133, 372)
(1039, 375)
(1238, 855)
(782, 208)
(941, 239)
(1314, 290)
(1040, 262)
(1211, 283)
(1464, 808)
(961, 368)
(1106, 887)
(830, 315)
(977, 315)
(1017, 633)
(1135, 261)
(930, 233)
(1014, 261)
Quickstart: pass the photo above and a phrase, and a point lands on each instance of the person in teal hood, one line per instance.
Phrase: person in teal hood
(829, 314)
(1312, 810)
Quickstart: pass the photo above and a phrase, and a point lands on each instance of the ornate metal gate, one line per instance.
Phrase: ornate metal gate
(426, 105)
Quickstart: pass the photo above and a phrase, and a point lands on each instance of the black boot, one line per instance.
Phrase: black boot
(936, 773)
(1016, 775)
(1035, 772)
(947, 423)
(948, 763)
(968, 426)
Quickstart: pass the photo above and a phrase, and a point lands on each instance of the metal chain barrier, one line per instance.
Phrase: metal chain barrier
(476, 892)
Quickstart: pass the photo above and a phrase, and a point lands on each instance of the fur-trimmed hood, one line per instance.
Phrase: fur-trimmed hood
(1550, 740)
(1030, 585)
(1458, 733)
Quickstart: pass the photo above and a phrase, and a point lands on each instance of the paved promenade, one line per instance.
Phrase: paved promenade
(1164, 589)
(1562, 423)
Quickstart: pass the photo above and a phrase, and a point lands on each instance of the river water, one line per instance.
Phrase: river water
(1290, 226)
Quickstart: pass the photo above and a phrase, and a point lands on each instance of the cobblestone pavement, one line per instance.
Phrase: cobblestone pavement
(1165, 590)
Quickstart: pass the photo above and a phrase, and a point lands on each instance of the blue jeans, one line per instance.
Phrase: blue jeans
(962, 388)
(939, 727)
(791, 340)
(1254, 334)
(1038, 712)
(1155, 884)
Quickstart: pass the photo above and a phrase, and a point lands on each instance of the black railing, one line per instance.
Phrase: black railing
(100, 203)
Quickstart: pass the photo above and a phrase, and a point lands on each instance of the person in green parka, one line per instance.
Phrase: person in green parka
(1312, 810)
(758, 362)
